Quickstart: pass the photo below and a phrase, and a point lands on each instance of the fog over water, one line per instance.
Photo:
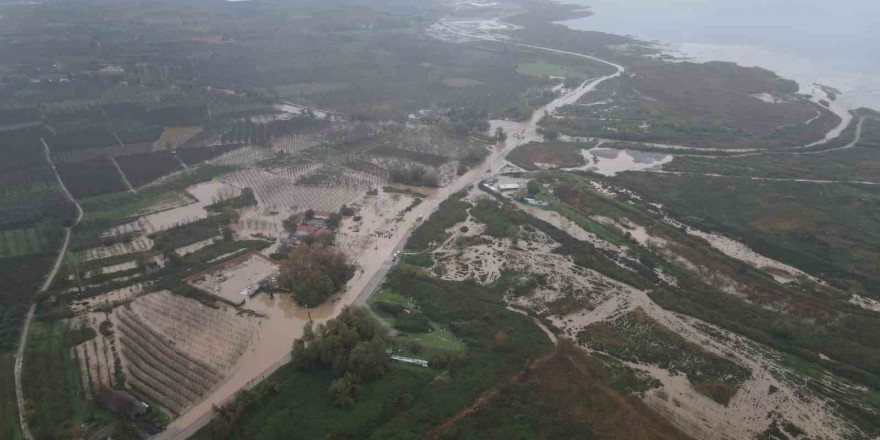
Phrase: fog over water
(832, 42)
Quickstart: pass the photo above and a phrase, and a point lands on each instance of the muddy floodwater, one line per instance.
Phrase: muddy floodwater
(204, 194)
(610, 161)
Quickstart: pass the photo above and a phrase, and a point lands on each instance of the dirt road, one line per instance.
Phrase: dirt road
(22, 342)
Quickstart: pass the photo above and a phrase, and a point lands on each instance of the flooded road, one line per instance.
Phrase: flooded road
(285, 320)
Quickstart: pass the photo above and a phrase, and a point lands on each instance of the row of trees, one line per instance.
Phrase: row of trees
(415, 175)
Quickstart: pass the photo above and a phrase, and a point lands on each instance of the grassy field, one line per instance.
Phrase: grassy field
(9, 424)
(544, 69)
(55, 399)
(438, 338)
(17, 242)
(433, 230)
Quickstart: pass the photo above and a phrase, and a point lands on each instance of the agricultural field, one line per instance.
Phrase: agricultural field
(175, 350)
(85, 155)
(175, 137)
(141, 169)
(315, 141)
(91, 178)
(30, 204)
(195, 155)
(81, 140)
(15, 242)
(279, 192)
(10, 427)
(57, 400)
(138, 136)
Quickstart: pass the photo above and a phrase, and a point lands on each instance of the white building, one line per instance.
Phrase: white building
(509, 186)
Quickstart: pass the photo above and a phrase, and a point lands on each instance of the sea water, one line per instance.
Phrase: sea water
(835, 43)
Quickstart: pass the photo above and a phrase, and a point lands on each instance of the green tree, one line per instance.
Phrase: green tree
(500, 135)
(533, 188)
(228, 234)
(333, 220)
(343, 390)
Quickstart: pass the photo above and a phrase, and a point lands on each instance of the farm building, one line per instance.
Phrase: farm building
(241, 276)
(509, 186)
(121, 402)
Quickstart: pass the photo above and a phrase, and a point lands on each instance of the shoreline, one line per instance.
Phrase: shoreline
(860, 88)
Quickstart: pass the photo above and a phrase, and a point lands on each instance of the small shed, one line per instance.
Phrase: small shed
(509, 186)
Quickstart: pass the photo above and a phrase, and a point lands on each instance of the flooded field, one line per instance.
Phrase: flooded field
(204, 194)
(610, 161)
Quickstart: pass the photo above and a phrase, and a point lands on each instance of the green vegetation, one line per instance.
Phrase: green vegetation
(407, 191)
(398, 405)
(543, 69)
(21, 277)
(56, 403)
(243, 200)
(315, 272)
(636, 337)
(709, 104)
(433, 230)
(359, 356)
(501, 219)
(15, 242)
(519, 284)
(422, 259)
(815, 319)
(9, 424)
(860, 163)
(870, 132)
(830, 231)
(189, 233)
(553, 154)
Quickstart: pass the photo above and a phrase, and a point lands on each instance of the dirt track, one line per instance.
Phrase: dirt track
(22, 342)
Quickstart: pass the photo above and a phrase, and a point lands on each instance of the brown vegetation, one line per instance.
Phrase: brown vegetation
(566, 394)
